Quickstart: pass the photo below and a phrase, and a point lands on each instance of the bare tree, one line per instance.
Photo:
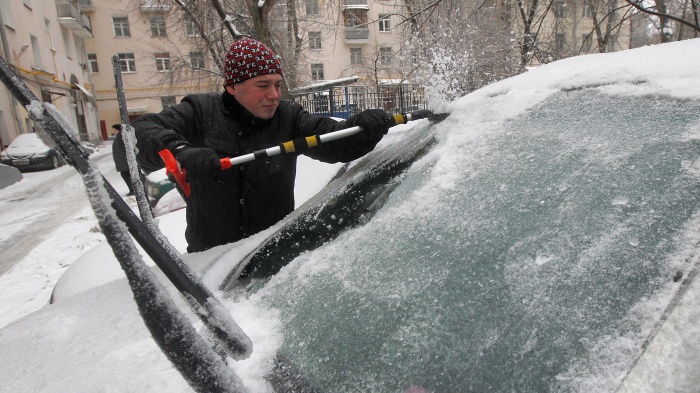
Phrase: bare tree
(461, 46)
(681, 14)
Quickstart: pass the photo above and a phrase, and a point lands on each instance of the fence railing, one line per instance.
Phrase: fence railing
(345, 101)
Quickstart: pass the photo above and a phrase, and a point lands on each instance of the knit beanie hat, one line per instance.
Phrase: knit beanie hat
(249, 58)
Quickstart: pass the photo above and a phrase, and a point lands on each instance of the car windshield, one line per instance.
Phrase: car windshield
(541, 257)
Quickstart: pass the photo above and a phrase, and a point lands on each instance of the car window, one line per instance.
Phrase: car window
(541, 260)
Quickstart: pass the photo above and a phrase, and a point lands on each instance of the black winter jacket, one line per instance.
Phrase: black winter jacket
(119, 154)
(250, 197)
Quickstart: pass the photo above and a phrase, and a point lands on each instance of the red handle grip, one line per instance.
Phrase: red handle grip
(172, 168)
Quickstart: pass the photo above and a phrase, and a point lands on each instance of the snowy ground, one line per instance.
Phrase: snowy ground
(48, 224)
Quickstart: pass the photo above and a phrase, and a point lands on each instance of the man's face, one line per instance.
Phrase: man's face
(259, 95)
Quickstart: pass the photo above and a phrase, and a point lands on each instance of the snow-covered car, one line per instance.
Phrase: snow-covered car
(542, 238)
(28, 152)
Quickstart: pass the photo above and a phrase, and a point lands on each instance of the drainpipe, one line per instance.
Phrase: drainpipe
(13, 101)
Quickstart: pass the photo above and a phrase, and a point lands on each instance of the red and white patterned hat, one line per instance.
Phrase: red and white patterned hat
(249, 58)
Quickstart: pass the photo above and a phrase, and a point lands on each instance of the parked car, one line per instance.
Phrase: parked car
(542, 238)
(157, 185)
(28, 152)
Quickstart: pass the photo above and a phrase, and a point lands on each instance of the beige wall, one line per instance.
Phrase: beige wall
(335, 52)
(143, 88)
(51, 61)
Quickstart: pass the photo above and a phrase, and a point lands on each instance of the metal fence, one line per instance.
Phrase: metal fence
(345, 101)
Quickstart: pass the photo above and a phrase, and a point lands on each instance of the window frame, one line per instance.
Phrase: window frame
(190, 27)
(121, 27)
(197, 61)
(158, 26)
(356, 56)
(93, 64)
(164, 101)
(127, 62)
(315, 42)
(386, 55)
(384, 23)
(312, 7)
(317, 72)
(162, 60)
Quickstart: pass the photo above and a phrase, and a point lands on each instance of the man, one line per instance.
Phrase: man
(229, 205)
(119, 156)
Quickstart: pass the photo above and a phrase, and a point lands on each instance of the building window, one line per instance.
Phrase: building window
(162, 61)
(586, 42)
(355, 56)
(317, 72)
(158, 26)
(92, 63)
(197, 60)
(560, 41)
(314, 40)
(385, 55)
(127, 62)
(168, 101)
(36, 50)
(7, 13)
(67, 43)
(560, 9)
(121, 26)
(587, 9)
(312, 7)
(191, 27)
(355, 17)
(384, 23)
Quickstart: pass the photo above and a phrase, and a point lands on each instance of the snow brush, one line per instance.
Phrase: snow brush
(199, 364)
(172, 168)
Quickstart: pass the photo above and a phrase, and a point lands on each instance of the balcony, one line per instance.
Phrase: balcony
(69, 16)
(356, 4)
(356, 34)
(86, 5)
(154, 6)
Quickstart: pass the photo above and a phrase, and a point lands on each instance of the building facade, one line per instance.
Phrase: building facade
(159, 55)
(44, 42)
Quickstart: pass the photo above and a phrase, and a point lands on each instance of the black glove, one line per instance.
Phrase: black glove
(200, 163)
(375, 123)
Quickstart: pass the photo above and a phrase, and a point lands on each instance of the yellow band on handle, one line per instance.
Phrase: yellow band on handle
(312, 141)
(399, 119)
(289, 147)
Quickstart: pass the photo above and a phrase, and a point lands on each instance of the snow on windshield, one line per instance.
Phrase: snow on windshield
(489, 130)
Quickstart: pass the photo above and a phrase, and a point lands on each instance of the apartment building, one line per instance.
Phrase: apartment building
(351, 38)
(576, 27)
(159, 53)
(44, 41)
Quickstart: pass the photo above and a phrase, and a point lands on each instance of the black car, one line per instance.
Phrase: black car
(29, 152)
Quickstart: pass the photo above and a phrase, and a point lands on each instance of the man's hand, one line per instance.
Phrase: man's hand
(373, 121)
(199, 163)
